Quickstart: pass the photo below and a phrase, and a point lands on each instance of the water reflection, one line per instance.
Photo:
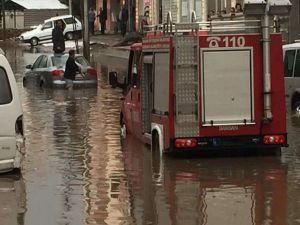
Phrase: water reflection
(205, 191)
(56, 123)
(106, 192)
(13, 199)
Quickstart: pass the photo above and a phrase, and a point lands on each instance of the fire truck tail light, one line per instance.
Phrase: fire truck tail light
(185, 143)
(274, 139)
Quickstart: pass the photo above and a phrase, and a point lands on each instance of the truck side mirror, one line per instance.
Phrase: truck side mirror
(113, 79)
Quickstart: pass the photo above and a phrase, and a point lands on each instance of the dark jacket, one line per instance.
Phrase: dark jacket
(71, 69)
(58, 40)
(91, 16)
(124, 14)
(102, 16)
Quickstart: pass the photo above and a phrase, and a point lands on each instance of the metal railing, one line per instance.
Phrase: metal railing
(212, 26)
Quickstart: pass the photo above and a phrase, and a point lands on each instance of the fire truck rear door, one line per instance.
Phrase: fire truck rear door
(227, 86)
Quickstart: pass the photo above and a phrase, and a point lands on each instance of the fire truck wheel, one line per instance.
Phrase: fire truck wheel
(155, 142)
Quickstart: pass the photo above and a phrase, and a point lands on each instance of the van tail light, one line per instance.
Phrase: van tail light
(91, 71)
(57, 72)
(19, 125)
(274, 139)
(185, 143)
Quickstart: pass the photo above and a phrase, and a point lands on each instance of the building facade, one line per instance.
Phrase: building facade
(293, 21)
(155, 12)
(24, 14)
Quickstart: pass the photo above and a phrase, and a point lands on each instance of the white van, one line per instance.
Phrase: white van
(43, 32)
(292, 75)
(11, 119)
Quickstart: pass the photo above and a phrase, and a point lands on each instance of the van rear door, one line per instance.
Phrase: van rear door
(8, 113)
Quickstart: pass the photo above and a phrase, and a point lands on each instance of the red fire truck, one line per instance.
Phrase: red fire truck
(193, 86)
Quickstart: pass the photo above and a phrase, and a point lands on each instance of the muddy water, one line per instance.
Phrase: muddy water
(78, 171)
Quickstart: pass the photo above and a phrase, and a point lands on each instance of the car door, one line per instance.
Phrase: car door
(31, 75)
(44, 72)
(46, 31)
(39, 69)
(70, 24)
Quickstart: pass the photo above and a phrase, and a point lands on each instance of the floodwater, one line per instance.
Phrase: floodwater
(77, 171)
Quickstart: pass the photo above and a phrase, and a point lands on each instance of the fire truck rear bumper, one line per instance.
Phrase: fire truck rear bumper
(230, 143)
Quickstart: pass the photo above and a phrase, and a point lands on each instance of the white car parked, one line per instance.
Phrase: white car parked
(43, 32)
(11, 122)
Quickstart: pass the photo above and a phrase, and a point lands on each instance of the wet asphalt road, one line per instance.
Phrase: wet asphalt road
(77, 170)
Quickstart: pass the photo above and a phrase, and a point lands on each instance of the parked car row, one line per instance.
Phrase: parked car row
(43, 32)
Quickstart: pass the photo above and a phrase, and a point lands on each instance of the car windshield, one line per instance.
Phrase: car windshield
(82, 61)
(60, 61)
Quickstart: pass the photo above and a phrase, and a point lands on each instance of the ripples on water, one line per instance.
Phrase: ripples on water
(78, 171)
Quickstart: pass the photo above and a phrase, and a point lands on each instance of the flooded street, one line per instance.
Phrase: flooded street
(77, 171)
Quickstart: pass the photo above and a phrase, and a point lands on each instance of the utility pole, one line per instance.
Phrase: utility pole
(86, 38)
(204, 10)
(70, 7)
(3, 20)
(129, 9)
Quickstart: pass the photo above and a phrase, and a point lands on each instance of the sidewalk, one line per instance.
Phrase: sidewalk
(106, 40)
(103, 45)
(114, 44)
(112, 40)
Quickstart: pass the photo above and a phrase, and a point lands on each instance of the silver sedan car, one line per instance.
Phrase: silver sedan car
(48, 71)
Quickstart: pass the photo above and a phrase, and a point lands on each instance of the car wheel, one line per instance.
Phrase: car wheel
(296, 107)
(34, 41)
(69, 36)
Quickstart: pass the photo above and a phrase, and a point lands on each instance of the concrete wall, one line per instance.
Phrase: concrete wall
(14, 20)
